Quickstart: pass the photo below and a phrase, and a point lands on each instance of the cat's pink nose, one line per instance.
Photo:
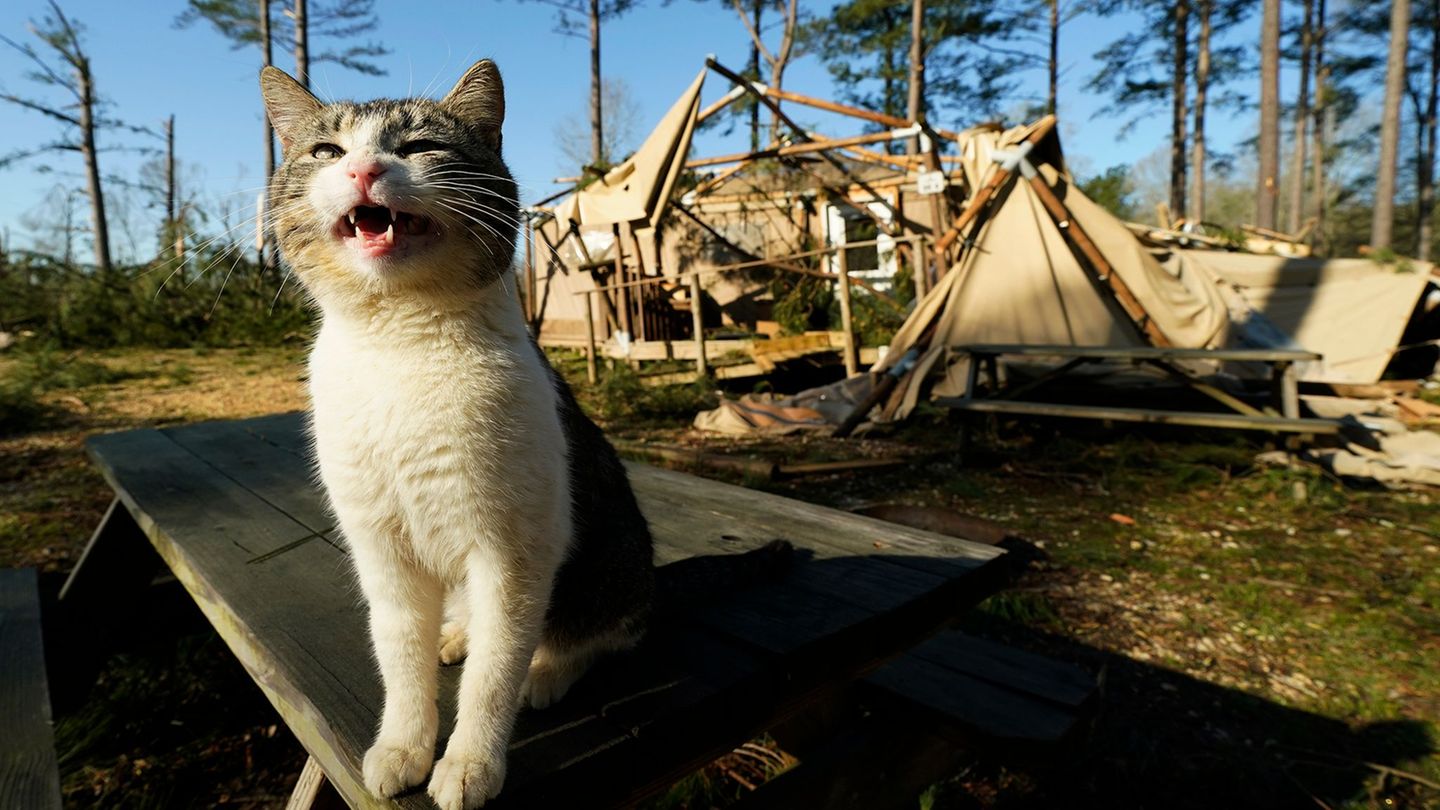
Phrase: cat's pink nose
(364, 171)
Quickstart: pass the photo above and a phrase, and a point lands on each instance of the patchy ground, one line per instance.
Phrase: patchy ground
(1268, 637)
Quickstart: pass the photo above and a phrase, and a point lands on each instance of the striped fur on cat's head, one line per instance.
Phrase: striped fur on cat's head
(390, 195)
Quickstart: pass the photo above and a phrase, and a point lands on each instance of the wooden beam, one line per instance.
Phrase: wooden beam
(1217, 420)
(812, 146)
(983, 197)
(1101, 271)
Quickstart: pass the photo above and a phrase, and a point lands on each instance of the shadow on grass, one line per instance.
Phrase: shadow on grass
(1166, 740)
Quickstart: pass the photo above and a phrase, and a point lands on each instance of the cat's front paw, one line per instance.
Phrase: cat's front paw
(452, 643)
(389, 769)
(465, 783)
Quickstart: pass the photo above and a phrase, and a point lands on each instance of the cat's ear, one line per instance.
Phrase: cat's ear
(287, 102)
(479, 97)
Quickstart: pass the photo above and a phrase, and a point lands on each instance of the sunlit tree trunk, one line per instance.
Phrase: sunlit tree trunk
(1425, 189)
(98, 222)
(915, 108)
(1267, 195)
(1384, 212)
(1321, 125)
(302, 43)
(1302, 118)
(1181, 67)
(1202, 87)
(597, 132)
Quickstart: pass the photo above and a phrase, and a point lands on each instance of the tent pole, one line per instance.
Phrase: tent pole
(987, 192)
(1095, 262)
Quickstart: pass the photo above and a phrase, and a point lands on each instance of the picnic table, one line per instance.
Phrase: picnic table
(233, 510)
(1282, 416)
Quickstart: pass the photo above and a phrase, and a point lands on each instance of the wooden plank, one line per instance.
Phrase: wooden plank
(1138, 352)
(280, 476)
(1044, 678)
(1197, 418)
(972, 705)
(29, 775)
(294, 620)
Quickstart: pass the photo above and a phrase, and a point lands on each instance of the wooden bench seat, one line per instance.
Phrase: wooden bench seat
(1234, 421)
(29, 775)
(920, 718)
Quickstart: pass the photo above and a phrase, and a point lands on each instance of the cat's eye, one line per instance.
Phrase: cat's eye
(326, 151)
(417, 147)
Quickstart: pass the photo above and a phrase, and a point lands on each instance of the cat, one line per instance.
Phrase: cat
(484, 512)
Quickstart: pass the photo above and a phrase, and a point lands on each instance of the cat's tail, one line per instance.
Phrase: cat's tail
(691, 583)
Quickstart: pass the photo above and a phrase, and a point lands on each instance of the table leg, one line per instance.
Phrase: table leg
(1287, 383)
(313, 790)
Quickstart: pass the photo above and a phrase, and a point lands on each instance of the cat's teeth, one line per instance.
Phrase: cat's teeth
(357, 233)
(351, 215)
(390, 234)
(393, 214)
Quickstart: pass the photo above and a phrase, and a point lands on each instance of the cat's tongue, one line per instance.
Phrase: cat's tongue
(374, 230)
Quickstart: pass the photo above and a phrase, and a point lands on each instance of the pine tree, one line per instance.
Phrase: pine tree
(79, 112)
(969, 68)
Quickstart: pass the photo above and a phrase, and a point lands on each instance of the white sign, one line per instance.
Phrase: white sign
(931, 182)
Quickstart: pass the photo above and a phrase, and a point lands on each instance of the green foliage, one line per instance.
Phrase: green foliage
(865, 44)
(802, 303)
(31, 373)
(239, 22)
(215, 300)
(1114, 190)
(622, 394)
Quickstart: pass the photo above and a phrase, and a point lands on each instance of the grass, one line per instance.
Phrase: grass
(1264, 632)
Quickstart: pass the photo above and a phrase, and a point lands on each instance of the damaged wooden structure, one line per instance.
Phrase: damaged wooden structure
(617, 265)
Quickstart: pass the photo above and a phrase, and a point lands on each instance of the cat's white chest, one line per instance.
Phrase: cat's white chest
(444, 440)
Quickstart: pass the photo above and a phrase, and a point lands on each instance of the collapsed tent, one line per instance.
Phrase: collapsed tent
(1020, 280)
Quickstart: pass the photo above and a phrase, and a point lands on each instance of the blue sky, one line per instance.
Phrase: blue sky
(149, 70)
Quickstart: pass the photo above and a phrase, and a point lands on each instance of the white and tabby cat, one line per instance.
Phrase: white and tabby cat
(455, 459)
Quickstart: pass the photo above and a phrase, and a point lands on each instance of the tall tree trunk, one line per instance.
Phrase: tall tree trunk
(267, 57)
(302, 44)
(98, 223)
(1384, 213)
(1202, 88)
(1181, 67)
(1302, 117)
(915, 106)
(1323, 117)
(1051, 98)
(597, 132)
(1425, 191)
(1267, 194)
(171, 235)
(755, 11)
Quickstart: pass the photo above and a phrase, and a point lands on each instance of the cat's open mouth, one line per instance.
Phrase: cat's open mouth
(378, 231)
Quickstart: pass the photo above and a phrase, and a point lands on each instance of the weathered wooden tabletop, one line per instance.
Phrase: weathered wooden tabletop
(233, 509)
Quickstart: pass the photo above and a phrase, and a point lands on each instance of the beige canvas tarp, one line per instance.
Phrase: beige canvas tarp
(1021, 283)
(638, 190)
(1351, 311)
